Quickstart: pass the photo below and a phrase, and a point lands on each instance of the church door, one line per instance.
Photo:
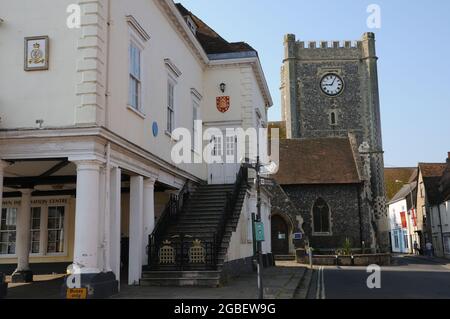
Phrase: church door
(280, 236)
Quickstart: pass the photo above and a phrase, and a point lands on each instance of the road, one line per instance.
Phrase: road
(408, 278)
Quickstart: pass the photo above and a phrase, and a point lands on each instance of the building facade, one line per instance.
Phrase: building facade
(440, 215)
(428, 195)
(323, 187)
(403, 220)
(88, 117)
(331, 90)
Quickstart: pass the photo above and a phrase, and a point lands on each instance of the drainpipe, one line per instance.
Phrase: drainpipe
(108, 37)
(107, 230)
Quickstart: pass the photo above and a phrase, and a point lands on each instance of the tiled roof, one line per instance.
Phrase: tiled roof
(317, 161)
(210, 40)
(402, 174)
(445, 182)
(432, 169)
(432, 174)
(404, 192)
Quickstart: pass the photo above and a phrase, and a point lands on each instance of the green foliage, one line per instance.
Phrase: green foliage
(346, 250)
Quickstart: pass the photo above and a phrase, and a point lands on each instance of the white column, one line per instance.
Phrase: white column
(136, 229)
(115, 229)
(3, 165)
(87, 215)
(23, 234)
(149, 215)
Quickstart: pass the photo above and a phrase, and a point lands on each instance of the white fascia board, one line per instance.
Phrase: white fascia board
(256, 65)
(182, 23)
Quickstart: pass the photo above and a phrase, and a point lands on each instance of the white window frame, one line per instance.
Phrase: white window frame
(41, 213)
(44, 226)
(17, 212)
(136, 40)
(196, 110)
(171, 109)
(173, 73)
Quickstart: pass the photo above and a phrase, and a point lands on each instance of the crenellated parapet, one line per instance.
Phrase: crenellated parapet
(334, 50)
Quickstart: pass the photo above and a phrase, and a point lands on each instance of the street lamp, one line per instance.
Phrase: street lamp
(258, 253)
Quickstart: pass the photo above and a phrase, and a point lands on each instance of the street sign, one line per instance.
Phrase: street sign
(76, 293)
(259, 228)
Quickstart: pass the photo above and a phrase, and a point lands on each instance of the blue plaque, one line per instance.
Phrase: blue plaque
(155, 129)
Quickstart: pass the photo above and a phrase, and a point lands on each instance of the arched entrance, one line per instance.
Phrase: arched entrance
(280, 236)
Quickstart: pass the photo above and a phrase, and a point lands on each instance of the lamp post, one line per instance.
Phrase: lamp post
(258, 253)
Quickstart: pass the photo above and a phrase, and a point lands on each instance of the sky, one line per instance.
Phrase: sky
(413, 46)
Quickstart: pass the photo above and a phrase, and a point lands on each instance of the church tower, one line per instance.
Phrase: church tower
(330, 89)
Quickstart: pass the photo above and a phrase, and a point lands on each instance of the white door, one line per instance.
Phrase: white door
(224, 173)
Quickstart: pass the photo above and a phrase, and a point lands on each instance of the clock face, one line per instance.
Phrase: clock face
(332, 85)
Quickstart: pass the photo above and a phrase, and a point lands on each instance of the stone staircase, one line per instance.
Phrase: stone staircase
(200, 220)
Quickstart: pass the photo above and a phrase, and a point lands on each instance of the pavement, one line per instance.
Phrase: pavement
(281, 282)
(410, 277)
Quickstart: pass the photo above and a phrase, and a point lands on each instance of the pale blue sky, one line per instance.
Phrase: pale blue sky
(413, 47)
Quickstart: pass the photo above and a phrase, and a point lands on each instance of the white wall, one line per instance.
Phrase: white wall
(241, 244)
(395, 223)
(48, 95)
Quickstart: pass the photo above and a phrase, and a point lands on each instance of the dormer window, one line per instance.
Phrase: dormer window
(191, 24)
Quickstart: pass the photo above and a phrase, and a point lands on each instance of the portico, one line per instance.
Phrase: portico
(97, 202)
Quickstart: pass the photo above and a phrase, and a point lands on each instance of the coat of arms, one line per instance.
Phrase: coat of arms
(36, 53)
(223, 103)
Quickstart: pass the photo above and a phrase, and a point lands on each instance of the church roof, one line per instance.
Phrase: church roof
(317, 161)
(210, 40)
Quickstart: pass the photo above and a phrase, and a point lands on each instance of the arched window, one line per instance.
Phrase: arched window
(321, 216)
(333, 118)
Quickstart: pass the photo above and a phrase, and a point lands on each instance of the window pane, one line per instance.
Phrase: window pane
(8, 230)
(56, 230)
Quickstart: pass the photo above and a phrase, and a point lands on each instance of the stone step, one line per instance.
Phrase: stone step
(284, 257)
(180, 274)
(181, 282)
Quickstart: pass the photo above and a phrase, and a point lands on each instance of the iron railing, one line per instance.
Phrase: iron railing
(185, 258)
(182, 244)
(169, 216)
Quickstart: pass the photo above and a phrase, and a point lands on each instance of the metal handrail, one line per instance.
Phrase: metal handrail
(170, 215)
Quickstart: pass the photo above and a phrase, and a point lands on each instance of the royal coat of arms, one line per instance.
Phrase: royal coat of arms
(223, 103)
(36, 53)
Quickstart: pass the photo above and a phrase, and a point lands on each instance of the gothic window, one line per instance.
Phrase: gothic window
(321, 217)
(333, 119)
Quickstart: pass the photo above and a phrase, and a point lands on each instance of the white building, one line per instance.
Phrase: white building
(439, 201)
(86, 136)
(403, 220)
